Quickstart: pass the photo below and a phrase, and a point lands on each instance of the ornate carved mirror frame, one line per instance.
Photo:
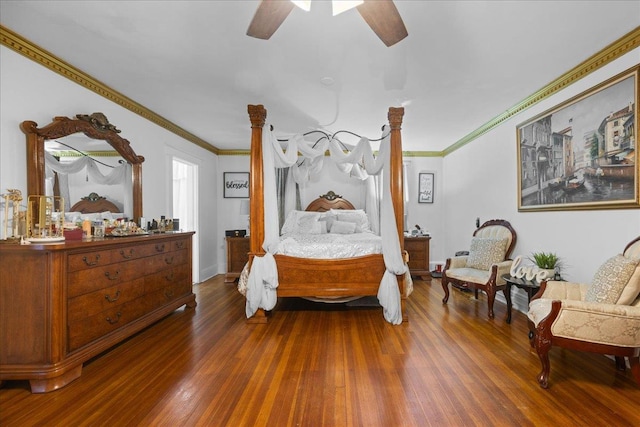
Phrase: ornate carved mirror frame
(95, 126)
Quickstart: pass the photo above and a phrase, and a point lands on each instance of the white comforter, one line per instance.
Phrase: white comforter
(329, 246)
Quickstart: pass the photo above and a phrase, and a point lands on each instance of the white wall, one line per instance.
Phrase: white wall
(429, 216)
(32, 92)
(480, 180)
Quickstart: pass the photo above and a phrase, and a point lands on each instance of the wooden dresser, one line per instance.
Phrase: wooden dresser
(237, 256)
(418, 249)
(62, 304)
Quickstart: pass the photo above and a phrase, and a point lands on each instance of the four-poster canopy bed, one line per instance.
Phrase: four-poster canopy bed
(330, 278)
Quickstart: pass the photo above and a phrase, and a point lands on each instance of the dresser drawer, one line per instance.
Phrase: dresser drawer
(85, 281)
(96, 302)
(87, 260)
(167, 294)
(160, 279)
(180, 244)
(165, 261)
(84, 331)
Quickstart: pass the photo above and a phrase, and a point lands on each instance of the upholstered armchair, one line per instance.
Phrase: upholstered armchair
(488, 260)
(603, 317)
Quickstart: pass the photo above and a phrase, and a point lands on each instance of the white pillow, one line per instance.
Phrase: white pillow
(308, 223)
(300, 222)
(290, 223)
(327, 218)
(357, 216)
(342, 227)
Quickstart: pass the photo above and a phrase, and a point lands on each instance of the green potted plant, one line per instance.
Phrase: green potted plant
(546, 261)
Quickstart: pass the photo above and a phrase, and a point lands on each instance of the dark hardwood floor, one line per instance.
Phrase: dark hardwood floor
(310, 366)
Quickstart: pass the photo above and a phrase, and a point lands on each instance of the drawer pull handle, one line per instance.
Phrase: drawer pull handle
(114, 277)
(116, 320)
(179, 245)
(91, 263)
(169, 260)
(125, 255)
(168, 293)
(160, 247)
(115, 297)
(169, 277)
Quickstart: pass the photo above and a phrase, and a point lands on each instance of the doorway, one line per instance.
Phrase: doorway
(185, 203)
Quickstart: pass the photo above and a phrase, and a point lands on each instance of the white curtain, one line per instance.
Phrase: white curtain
(120, 175)
(358, 161)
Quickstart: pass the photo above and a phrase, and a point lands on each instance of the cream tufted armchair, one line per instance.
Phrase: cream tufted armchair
(487, 261)
(603, 317)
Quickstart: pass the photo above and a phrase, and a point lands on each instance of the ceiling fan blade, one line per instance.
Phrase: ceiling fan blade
(384, 19)
(268, 17)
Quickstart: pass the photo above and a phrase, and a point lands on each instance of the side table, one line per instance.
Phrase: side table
(530, 286)
(418, 249)
(237, 257)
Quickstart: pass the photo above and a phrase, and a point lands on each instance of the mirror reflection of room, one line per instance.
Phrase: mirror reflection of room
(77, 166)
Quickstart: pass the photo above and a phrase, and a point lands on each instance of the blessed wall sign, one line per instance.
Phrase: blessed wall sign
(236, 185)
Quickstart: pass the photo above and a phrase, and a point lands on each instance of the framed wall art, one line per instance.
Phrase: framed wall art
(236, 185)
(581, 154)
(425, 187)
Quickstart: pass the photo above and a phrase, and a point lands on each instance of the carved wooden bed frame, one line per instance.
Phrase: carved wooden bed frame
(302, 277)
(94, 203)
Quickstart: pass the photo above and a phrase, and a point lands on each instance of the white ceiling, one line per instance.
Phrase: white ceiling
(463, 63)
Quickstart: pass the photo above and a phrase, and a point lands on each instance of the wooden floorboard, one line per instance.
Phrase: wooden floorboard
(319, 365)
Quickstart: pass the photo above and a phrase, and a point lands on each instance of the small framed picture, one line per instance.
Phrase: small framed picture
(425, 187)
(236, 185)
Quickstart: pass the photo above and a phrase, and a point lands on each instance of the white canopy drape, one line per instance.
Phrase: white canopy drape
(120, 175)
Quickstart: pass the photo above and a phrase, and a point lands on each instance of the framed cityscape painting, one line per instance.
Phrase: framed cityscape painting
(581, 154)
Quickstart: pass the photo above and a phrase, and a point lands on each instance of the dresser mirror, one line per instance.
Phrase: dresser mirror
(107, 164)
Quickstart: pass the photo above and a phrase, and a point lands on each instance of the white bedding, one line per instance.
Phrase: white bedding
(329, 246)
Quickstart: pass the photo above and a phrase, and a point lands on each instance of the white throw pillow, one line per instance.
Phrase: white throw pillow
(299, 222)
(327, 218)
(357, 216)
(342, 227)
(290, 223)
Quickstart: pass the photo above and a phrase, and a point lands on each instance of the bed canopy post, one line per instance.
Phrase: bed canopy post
(397, 187)
(257, 115)
(397, 181)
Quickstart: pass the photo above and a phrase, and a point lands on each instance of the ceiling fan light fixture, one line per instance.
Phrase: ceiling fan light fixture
(303, 4)
(339, 6)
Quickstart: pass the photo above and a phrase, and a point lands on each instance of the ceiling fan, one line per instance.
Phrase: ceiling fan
(381, 15)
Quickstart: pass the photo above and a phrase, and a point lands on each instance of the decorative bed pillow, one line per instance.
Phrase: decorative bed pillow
(299, 222)
(343, 227)
(290, 223)
(610, 279)
(327, 218)
(356, 216)
(486, 251)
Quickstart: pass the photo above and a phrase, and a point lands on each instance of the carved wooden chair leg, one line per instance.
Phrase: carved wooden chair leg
(542, 345)
(620, 363)
(491, 296)
(445, 287)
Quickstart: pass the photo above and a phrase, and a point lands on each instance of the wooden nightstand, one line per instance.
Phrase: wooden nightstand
(418, 249)
(237, 257)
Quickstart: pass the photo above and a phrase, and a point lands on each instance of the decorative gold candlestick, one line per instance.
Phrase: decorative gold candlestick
(45, 218)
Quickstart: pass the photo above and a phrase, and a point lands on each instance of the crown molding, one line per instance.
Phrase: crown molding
(24, 47)
(610, 53)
